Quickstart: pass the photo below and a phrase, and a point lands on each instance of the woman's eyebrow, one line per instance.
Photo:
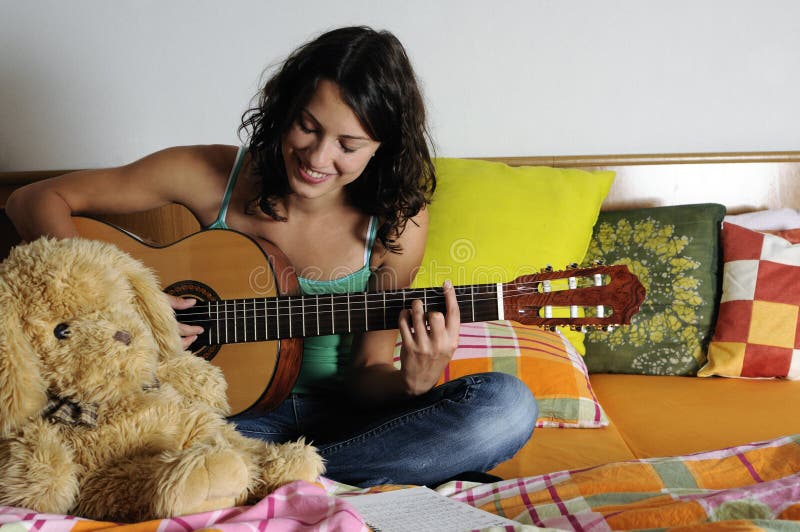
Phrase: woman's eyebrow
(353, 137)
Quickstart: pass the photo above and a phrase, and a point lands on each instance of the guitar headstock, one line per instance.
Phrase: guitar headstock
(608, 295)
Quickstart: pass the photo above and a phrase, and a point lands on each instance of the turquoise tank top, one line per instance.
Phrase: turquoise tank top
(325, 358)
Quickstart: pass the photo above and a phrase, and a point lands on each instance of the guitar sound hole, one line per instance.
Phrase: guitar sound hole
(203, 293)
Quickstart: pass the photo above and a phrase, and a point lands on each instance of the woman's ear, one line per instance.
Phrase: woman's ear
(23, 392)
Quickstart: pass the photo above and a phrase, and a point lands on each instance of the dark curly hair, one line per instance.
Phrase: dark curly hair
(376, 80)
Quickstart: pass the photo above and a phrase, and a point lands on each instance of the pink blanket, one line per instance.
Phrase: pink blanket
(299, 506)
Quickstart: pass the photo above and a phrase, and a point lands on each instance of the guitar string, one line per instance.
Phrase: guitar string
(356, 297)
(338, 305)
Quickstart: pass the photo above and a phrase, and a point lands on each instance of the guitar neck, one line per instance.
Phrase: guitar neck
(274, 318)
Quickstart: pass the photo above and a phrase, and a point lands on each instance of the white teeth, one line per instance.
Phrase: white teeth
(312, 173)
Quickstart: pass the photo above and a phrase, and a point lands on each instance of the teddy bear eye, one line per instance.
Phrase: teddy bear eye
(61, 331)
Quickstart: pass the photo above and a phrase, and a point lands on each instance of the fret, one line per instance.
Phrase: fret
(210, 328)
(349, 327)
(472, 301)
(277, 319)
(424, 300)
(235, 322)
(221, 321)
(303, 313)
(317, 312)
(333, 319)
(266, 321)
(216, 323)
(240, 315)
(255, 321)
(289, 313)
(225, 311)
(384, 311)
(247, 320)
(366, 313)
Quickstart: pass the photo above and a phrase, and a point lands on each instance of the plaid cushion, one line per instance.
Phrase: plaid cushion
(757, 325)
(545, 361)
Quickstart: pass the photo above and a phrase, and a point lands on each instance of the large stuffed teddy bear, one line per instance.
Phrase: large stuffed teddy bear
(102, 413)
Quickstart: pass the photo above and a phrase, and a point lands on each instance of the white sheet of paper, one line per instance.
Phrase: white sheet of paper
(421, 509)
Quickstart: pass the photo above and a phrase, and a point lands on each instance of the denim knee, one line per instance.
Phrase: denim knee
(504, 416)
(512, 397)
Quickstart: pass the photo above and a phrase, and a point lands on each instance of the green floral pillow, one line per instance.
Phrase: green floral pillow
(675, 253)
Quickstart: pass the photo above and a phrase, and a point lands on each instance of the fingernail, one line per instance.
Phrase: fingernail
(448, 283)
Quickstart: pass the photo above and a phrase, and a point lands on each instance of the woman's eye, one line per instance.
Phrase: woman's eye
(304, 127)
(61, 331)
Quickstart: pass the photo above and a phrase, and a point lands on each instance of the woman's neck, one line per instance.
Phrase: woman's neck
(321, 207)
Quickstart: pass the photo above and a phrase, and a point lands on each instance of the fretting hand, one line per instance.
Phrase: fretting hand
(426, 350)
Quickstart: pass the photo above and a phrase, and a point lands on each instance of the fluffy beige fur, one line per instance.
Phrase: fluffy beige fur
(153, 452)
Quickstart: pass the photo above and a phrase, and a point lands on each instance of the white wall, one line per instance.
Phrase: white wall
(89, 83)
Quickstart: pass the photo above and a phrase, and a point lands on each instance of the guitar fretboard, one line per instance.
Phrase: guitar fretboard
(273, 318)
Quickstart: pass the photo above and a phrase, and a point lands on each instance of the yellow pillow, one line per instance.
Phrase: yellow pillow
(490, 222)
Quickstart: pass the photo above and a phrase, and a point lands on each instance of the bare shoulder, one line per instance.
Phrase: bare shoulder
(397, 270)
(184, 164)
(194, 176)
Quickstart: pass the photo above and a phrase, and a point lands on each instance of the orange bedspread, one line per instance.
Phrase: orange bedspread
(664, 416)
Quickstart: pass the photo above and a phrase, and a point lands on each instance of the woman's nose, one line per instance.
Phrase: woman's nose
(320, 153)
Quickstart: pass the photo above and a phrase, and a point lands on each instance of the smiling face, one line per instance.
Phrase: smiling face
(326, 146)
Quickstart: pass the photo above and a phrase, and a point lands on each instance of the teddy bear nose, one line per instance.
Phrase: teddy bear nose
(123, 336)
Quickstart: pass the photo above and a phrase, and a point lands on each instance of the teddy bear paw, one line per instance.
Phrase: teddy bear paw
(287, 462)
(218, 480)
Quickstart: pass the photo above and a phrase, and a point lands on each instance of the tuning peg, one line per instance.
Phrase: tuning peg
(608, 328)
(579, 328)
(572, 266)
(547, 269)
(548, 327)
(599, 262)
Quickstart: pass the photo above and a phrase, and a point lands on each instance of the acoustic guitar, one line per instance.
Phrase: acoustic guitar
(255, 318)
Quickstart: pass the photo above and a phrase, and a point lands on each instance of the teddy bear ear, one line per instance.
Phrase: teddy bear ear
(153, 305)
(23, 391)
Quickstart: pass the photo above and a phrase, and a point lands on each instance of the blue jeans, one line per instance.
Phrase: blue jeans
(468, 424)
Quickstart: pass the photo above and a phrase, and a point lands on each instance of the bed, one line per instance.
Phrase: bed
(618, 448)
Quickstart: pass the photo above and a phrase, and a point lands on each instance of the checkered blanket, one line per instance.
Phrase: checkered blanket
(750, 487)
(745, 488)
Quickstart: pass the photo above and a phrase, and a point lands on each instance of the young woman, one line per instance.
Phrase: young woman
(337, 174)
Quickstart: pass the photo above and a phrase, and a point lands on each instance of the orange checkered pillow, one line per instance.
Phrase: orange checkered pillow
(758, 325)
(545, 361)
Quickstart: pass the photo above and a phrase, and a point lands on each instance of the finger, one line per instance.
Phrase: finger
(180, 303)
(418, 317)
(189, 330)
(404, 325)
(442, 341)
(453, 318)
(188, 340)
(436, 324)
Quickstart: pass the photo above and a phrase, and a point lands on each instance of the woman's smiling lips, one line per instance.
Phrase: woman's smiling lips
(311, 176)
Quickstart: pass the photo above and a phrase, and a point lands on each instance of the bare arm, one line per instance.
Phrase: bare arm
(186, 175)
(193, 176)
(424, 353)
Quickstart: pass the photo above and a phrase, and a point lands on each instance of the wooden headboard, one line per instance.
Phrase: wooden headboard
(740, 181)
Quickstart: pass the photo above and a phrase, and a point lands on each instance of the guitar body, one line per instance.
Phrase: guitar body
(223, 264)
